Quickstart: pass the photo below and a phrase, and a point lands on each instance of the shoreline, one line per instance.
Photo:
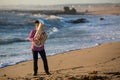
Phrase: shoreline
(75, 62)
(50, 56)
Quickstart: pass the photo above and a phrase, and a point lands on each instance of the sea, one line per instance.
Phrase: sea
(63, 34)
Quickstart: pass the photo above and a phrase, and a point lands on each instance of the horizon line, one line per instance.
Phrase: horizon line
(53, 4)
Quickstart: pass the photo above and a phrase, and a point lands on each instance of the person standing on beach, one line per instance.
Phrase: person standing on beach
(36, 49)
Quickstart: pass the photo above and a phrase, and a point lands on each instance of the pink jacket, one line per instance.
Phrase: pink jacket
(31, 38)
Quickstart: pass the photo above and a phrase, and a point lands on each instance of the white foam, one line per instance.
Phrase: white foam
(53, 17)
(52, 30)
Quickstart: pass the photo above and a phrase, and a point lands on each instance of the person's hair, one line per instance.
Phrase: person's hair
(36, 21)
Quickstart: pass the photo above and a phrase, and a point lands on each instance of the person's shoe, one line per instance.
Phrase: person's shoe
(48, 73)
(35, 74)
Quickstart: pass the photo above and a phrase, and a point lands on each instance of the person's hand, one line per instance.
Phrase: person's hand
(36, 39)
(40, 24)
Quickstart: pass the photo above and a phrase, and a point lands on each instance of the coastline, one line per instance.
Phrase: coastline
(97, 61)
(100, 62)
(87, 9)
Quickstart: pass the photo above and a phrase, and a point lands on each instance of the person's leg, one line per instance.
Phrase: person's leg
(35, 61)
(45, 63)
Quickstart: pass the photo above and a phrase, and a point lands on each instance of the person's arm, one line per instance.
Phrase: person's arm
(31, 36)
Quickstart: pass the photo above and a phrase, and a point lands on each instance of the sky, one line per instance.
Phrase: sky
(53, 2)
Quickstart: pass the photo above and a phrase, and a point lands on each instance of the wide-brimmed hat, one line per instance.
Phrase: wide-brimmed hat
(41, 21)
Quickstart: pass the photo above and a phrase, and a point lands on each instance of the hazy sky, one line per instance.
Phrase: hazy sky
(52, 2)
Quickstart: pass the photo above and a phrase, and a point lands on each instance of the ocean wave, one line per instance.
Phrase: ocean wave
(54, 17)
(8, 41)
(5, 22)
(10, 55)
(52, 30)
(3, 55)
(9, 63)
(8, 24)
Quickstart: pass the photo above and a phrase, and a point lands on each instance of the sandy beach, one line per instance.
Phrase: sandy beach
(100, 62)
(113, 10)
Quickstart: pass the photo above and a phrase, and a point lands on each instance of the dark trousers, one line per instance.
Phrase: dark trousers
(44, 59)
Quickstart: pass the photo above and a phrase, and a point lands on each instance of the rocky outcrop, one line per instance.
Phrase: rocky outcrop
(101, 18)
(81, 20)
(67, 10)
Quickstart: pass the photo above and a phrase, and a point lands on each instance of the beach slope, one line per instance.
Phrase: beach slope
(100, 62)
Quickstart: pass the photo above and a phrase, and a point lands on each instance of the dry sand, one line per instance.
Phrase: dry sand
(101, 62)
(105, 10)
